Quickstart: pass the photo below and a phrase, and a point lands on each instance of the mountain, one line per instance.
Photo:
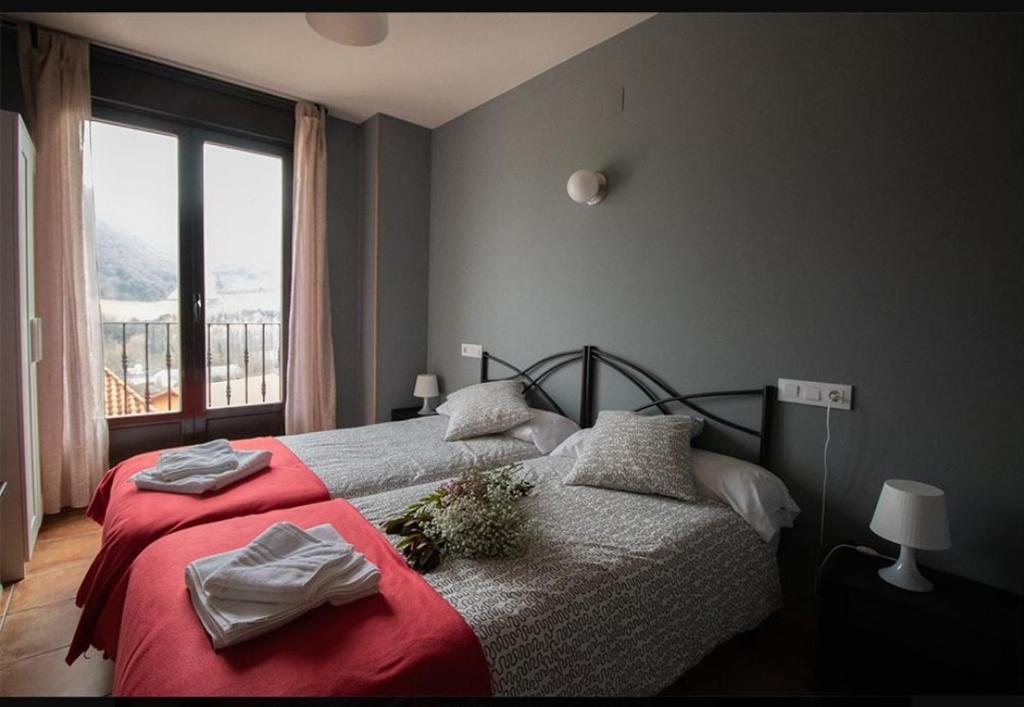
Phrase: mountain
(130, 268)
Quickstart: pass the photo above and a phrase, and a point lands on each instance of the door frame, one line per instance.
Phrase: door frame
(191, 421)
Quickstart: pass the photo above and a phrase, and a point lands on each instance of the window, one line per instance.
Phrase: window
(242, 275)
(135, 192)
(192, 242)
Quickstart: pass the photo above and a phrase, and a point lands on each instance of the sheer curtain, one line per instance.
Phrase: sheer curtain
(309, 402)
(72, 424)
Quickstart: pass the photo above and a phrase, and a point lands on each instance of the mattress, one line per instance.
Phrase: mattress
(357, 461)
(618, 593)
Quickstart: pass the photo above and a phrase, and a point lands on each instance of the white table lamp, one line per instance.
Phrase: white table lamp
(914, 515)
(426, 388)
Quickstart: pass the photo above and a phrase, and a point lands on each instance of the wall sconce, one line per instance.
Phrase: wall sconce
(587, 187)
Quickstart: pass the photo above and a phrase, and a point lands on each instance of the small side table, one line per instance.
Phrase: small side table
(399, 414)
(961, 637)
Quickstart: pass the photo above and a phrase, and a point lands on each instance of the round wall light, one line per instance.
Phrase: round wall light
(587, 187)
(356, 29)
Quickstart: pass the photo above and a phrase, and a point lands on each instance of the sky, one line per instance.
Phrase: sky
(135, 185)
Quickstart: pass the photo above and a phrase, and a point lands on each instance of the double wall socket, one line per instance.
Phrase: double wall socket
(472, 350)
(814, 393)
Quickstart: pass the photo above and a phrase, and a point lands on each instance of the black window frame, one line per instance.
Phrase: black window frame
(192, 135)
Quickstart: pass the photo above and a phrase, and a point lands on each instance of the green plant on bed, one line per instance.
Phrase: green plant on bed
(476, 515)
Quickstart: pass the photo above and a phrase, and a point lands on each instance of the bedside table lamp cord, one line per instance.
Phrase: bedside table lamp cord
(824, 480)
(863, 549)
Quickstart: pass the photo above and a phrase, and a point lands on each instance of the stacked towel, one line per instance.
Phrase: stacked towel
(245, 464)
(282, 574)
(209, 458)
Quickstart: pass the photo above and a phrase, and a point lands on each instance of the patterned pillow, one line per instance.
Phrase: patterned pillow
(486, 408)
(639, 453)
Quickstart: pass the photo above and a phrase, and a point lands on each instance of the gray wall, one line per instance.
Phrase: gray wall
(395, 207)
(343, 252)
(404, 237)
(828, 197)
(369, 133)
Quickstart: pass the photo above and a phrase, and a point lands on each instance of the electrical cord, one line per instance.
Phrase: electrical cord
(832, 398)
(862, 549)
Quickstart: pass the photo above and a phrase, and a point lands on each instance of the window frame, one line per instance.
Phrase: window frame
(191, 137)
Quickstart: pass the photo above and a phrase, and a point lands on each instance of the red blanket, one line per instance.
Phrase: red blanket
(133, 519)
(406, 640)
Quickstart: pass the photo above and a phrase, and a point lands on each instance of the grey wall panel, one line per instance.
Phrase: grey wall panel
(395, 208)
(344, 251)
(369, 138)
(829, 197)
(403, 260)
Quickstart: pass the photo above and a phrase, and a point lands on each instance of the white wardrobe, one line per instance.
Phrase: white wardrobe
(21, 503)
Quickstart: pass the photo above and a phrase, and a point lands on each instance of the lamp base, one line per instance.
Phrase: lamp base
(904, 573)
(425, 410)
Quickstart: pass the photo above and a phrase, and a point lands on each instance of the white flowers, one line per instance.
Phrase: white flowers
(476, 515)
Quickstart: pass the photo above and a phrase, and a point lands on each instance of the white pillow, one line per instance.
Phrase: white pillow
(546, 430)
(572, 446)
(485, 408)
(758, 495)
(643, 454)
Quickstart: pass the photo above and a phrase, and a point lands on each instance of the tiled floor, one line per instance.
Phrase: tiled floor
(38, 616)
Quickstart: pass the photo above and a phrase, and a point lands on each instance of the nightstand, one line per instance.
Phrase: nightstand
(962, 637)
(399, 414)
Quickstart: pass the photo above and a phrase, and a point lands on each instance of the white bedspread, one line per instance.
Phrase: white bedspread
(357, 461)
(618, 594)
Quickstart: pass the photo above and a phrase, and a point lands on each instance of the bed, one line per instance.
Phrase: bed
(618, 594)
(305, 468)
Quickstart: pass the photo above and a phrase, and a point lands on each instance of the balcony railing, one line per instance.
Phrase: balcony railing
(143, 374)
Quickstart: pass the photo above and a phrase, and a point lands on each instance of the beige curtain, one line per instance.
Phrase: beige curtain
(72, 426)
(309, 401)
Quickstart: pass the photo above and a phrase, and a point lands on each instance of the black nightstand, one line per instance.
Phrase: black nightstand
(399, 414)
(962, 637)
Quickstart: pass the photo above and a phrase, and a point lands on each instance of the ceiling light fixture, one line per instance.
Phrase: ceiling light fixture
(356, 29)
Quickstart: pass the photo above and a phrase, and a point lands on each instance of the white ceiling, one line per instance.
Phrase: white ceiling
(431, 68)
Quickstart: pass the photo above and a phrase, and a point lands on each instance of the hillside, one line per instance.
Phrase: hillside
(130, 268)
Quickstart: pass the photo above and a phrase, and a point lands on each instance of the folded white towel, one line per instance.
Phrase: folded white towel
(207, 458)
(228, 621)
(282, 564)
(248, 464)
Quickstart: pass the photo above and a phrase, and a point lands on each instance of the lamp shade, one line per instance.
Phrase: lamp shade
(912, 514)
(426, 386)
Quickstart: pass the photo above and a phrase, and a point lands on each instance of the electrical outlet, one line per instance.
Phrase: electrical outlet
(814, 393)
(472, 350)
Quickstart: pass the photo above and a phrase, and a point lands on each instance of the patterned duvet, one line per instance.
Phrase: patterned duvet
(619, 593)
(356, 461)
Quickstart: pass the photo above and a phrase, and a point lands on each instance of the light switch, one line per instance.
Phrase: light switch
(812, 393)
(792, 390)
(472, 350)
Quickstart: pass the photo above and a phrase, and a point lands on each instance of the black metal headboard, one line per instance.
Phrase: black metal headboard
(658, 393)
(536, 373)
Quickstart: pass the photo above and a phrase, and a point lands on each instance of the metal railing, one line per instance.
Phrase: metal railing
(275, 340)
(137, 381)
